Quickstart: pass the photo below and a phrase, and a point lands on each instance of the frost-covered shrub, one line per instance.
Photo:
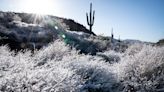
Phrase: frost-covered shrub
(142, 68)
(16, 18)
(63, 70)
(110, 56)
(55, 51)
(57, 67)
(134, 49)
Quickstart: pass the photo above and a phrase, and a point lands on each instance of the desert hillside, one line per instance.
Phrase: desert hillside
(31, 31)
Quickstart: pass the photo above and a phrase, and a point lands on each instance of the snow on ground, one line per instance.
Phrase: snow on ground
(58, 68)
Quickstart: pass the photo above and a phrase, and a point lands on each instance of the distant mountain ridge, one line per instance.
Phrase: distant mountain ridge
(160, 42)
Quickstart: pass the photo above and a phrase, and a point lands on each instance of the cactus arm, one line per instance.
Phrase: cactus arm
(93, 18)
(87, 18)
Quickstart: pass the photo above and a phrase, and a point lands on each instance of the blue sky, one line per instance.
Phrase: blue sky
(131, 19)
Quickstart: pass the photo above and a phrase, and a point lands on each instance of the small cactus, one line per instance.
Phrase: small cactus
(112, 36)
(90, 18)
(119, 40)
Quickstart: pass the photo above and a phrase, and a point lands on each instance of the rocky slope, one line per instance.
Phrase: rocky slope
(22, 31)
(160, 42)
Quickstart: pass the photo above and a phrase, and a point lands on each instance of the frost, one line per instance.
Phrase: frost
(58, 67)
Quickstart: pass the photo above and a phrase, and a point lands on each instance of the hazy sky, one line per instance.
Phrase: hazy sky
(131, 19)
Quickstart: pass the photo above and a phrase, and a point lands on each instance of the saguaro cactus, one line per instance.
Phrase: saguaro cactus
(90, 19)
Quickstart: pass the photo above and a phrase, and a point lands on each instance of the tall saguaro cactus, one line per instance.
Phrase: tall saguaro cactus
(90, 18)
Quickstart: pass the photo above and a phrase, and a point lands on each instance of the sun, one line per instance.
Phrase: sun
(39, 6)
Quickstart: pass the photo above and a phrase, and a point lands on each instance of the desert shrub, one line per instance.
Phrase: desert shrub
(110, 56)
(57, 67)
(16, 18)
(60, 69)
(142, 68)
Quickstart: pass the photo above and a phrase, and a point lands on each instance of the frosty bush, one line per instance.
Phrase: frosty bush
(62, 69)
(142, 68)
(57, 67)
(17, 18)
(110, 56)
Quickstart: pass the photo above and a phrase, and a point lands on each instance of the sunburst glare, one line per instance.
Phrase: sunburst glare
(39, 6)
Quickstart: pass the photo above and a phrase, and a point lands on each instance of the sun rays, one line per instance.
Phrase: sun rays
(38, 6)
